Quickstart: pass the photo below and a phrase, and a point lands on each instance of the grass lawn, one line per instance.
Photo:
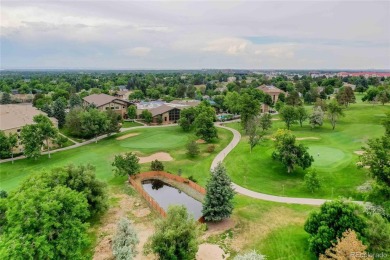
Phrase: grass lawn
(127, 124)
(101, 155)
(333, 152)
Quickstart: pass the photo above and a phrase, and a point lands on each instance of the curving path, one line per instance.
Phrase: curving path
(257, 195)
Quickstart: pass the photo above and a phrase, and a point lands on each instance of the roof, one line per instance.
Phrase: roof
(161, 110)
(19, 115)
(191, 103)
(101, 99)
(270, 89)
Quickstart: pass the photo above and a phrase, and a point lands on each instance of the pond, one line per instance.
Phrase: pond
(166, 195)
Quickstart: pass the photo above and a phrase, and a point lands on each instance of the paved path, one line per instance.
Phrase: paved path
(257, 195)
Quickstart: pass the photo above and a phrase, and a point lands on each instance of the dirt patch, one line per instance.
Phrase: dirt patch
(126, 206)
(126, 136)
(274, 219)
(275, 119)
(219, 227)
(161, 156)
(307, 138)
(359, 152)
(200, 141)
(210, 251)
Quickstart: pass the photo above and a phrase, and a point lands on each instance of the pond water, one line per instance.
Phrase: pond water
(166, 195)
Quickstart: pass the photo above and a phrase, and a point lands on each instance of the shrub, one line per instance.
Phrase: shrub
(125, 241)
(156, 165)
(252, 255)
(312, 181)
(210, 148)
(126, 164)
(191, 178)
(192, 149)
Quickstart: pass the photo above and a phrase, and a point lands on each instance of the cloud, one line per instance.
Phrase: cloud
(137, 51)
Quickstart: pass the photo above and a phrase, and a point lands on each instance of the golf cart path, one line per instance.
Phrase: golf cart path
(257, 195)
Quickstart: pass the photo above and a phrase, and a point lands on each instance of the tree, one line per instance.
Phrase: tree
(250, 108)
(232, 102)
(147, 116)
(293, 99)
(13, 142)
(5, 98)
(265, 121)
(378, 234)
(345, 96)
(60, 140)
(371, 93)
(301, 114)
(126, 164)
(75, 101)
(31, 137)
(386, 124)
(383, 96)
(125, 241)
(347, 247)
(94, 122)
(4, 145)
(187, 118)
(312, 181)
(176, 236)
(204, 127)
(321, 103)
(114, 121)
(289, 116)
(317, 117)
(218, 202)
(334, 112)
(289, 153)
(156, 165)
(46, 128)
(192, 148)
(334, 218)
(254, 136)
(132, 112)
(252, 255)
(59, 106)
(45, 223)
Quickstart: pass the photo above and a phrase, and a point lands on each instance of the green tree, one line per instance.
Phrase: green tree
(47, 130)
(114, 121)
(156, 165)
(334, 217)
(302, 114)
(5, 98)
(378, 234)
(250, 108)
(45, 223)
(187, 118)
(334, 112)
(125, 241)
(192, 148)
(31, 137)
(265, 121)
(293, 99)
(132, 112)
(386, 123)
(176, 236)
(232, 102)
(59, 106)
(60, 140)
(345, 96)
(383, 96)
(204, 127)
(289, 153)
(253, 133)
(94, 122)
(4, 145)
(289, 115)
(75, 101)
(312, 181)
(147, 116)
(218, 202)
(13, 142)
(126, 164)
(317, 117)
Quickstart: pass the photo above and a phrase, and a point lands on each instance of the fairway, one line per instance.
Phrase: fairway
(101, 155)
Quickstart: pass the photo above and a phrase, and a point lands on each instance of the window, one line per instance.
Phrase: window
(18, 130)
(107, 108)
(116, 107)
(174, 115)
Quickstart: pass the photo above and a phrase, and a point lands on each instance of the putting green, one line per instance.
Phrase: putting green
(326, 156)
(163, 139)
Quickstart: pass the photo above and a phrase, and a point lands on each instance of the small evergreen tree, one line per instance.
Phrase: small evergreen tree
(125, 241)
(312, 181)
(218, 203)
(132, 112)
(156, 165)
(192, 149)
(59, 111)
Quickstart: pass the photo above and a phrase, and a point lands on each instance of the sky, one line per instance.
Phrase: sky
(194, 34)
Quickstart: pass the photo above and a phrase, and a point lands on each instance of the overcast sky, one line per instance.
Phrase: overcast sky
(195, 35)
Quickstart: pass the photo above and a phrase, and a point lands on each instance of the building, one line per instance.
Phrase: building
(167, 114)
(274, 92)
(14, 116)
(104, 102)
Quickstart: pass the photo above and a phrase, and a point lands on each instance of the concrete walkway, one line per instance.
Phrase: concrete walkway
(257, 195)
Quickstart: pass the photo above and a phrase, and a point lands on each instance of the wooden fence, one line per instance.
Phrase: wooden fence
(152, 174)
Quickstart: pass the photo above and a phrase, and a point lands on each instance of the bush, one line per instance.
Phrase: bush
(192, 149)
(191, 178)
(156, 165)
(3, 194)
(210, 148)
(252, 255)
(125, 241)
(312, 181)
(126, 164)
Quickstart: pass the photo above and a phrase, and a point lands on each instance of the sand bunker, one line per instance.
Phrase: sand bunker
(210, 251)
(161, 156)
(307, 138)
(359, 152)
(126, 136)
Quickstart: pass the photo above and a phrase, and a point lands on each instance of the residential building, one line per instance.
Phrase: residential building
(274, 92)
(168, 114)
(104, 102)
(14, 116)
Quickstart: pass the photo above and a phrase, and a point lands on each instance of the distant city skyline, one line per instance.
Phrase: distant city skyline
(279, 35)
